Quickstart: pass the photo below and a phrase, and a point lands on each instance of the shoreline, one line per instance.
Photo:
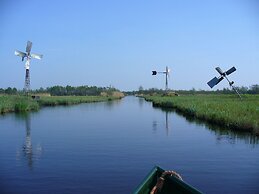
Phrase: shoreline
(224, 111)
(17, 104)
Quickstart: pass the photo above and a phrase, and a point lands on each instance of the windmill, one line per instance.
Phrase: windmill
(28, 55)
(223, 75)
(166, 72)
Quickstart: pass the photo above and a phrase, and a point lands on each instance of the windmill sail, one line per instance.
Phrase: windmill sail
(28, 47)
(19, 53)
(36, 56)
(214, 81)
(219, 70)
(231, 70)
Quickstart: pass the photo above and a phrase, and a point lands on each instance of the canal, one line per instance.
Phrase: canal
(109, 147)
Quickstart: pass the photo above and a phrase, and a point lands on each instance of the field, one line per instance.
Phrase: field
(16, 103)
(223, 110)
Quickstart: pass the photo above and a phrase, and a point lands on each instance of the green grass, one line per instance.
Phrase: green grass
(223, 110)
(69, 100)
(17, 103)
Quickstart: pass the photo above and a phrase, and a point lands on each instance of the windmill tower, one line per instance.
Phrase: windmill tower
(223, 75)
(28, 55)
(166, 72)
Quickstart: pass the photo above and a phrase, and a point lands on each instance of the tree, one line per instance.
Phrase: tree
(1, 91)
(140, 89)
(254, 89)
(8, 90)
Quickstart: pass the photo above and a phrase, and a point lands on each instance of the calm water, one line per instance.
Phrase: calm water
(110, 147)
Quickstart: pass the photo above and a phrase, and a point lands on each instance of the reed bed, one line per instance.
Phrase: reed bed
(69, 100)
(15, 103)
(223, 110)
(18, 103)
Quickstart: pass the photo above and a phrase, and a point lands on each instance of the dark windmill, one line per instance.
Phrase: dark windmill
(166, 72)
(28, 55)
(223, 75)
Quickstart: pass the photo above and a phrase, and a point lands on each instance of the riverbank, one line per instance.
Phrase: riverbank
(17, 103)
(223, 110)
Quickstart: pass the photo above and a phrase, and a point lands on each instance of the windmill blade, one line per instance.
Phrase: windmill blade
(28, 47)
(231, 70)
(214, 81)
(219, 70)
(36, 56)
(166, 69)
(19, 53)
(219, 79)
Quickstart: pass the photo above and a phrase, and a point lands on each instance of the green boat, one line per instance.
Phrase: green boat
(159, 181)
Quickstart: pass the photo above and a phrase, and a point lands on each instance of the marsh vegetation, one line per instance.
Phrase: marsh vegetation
(223, 110)
(17, 103)
(21, 103)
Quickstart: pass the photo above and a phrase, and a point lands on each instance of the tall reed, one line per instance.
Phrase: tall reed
(223, 110)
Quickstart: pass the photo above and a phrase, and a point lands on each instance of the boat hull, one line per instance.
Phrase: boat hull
(171, 184)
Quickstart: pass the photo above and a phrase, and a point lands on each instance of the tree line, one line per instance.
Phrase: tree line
(65, 90)
(96, 91)
(254, 89)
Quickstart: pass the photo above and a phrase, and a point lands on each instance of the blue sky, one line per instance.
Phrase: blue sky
(120, 42)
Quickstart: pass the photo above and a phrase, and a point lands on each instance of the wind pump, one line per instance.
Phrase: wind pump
(27, 55)
(223, 75)
(166, 72)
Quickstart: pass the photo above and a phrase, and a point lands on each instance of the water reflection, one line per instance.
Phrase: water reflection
(27, 147)
(154, 125)
(141, 101)
(222, 135)
(27, 151)
(166, 123)
(167, 128)
(110, 104)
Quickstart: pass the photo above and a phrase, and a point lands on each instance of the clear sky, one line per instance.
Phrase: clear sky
(119, 43)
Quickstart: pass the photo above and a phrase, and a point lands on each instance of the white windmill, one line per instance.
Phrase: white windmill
(28, 55)
(166, 72)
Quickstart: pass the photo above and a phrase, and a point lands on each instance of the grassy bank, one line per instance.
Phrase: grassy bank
(69, 100)
(223, 110)
(16, 103)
